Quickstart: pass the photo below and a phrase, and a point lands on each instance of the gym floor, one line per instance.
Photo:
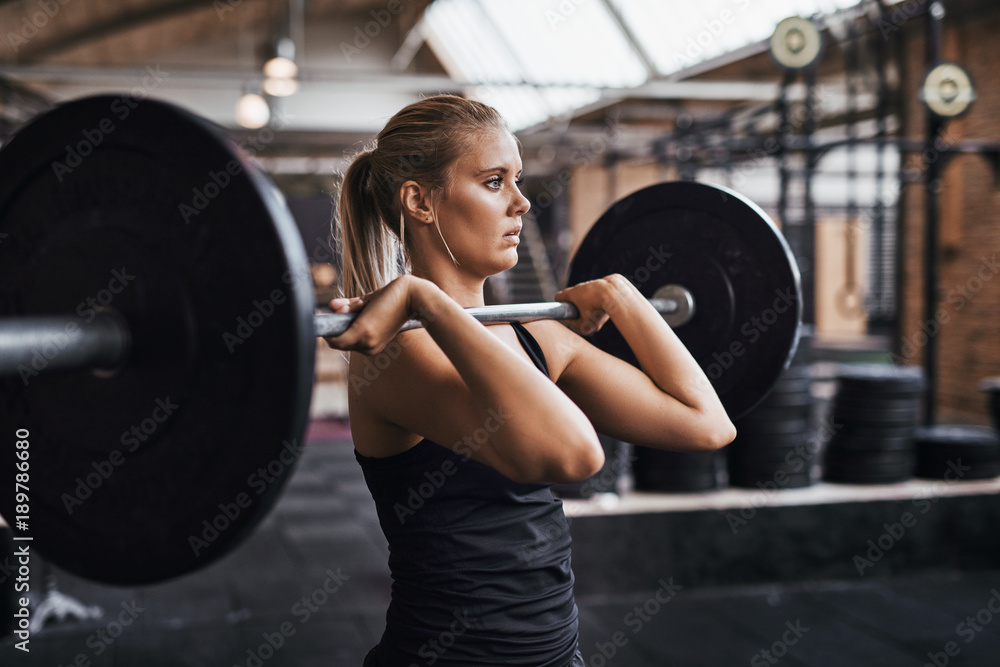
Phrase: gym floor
(247, 609)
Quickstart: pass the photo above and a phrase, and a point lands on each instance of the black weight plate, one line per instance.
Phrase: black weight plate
(869, 458)
(954, 469)
(873, 444)
(852, 401)
(756, 479)
(957, 434)
(872, 431)
(992, 388)
(766, 427)
(678, 482)
(729, 255)
(771, 450)
(791, 385)
(946, 447)
(660, 470)
(875, 414)
(864, 379)
(862, 476)
(128, 472)
(766, 413)
(748, 436)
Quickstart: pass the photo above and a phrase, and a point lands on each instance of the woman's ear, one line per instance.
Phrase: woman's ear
(417, 202)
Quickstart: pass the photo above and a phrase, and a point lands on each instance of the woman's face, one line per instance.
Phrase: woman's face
(481, 207)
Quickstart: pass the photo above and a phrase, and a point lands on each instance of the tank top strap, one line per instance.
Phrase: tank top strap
(532, 347)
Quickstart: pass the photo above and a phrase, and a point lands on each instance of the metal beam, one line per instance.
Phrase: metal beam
(652, 71)
(418, 83)
(90, 32)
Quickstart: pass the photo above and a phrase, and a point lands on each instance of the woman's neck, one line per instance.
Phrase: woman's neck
(465, 290)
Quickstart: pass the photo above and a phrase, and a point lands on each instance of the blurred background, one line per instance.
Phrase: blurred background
(880, 168)
(606, 97)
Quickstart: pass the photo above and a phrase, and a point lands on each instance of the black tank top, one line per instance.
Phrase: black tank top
(480, 564)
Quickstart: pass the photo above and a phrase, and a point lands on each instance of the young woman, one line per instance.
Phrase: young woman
(460, 428)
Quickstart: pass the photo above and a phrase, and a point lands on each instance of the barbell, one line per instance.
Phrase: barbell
(157, 327)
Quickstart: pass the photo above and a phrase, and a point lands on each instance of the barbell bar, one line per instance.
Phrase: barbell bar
(203, 346)
(103, 342)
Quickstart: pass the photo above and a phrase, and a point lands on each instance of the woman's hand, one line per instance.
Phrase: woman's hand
(595, 299)
(382, 314)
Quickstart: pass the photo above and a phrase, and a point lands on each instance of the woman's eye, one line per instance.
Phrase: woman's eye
(495, 182)
(519, 182)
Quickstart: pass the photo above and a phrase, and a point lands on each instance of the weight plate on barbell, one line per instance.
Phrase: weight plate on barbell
(159, 467)
(730, 255)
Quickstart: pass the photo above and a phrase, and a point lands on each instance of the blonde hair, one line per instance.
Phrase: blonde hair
(419, 143)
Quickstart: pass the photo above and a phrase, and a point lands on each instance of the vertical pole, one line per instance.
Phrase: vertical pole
(808, 242)
(932, 187)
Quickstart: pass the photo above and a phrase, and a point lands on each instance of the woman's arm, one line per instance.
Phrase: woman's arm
(670, 403)
(455, 383)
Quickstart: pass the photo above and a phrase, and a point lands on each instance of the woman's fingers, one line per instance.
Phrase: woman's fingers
(342, 305)
(380, 315)
(587, 300)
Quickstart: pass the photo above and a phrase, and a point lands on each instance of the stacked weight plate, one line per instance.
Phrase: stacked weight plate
(992, 388)
(772, 445)
(660, 470)
(957, 452)
(875, 416)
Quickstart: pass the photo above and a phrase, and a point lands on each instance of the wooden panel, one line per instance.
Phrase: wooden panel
(841, 277)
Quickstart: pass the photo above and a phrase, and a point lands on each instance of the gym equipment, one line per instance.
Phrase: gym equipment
(947, 90)
(729, 255)
(795, 43)
(957, 452)
(875, 413)
(157, 332)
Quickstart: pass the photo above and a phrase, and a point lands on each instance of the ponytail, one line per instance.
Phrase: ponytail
(371, 253)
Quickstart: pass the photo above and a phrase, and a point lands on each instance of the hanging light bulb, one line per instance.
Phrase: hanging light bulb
(282, 65)
(252, 111)
(280, 87)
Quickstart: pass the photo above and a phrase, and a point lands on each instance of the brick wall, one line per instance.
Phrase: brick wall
(968, 314)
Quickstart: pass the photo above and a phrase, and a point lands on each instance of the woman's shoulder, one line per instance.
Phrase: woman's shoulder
(559, 344)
